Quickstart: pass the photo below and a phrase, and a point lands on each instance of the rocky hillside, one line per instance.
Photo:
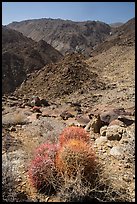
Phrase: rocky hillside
(107, 73)
(115, 61)
(123, 35)
(98, 95)
(21, 56)
(64, 35)
(70, 75)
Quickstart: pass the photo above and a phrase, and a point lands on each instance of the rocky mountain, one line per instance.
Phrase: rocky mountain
(114, 25)
(64, 35)
(76, 78)
(96, 94)
(123, 35)
(21, 56)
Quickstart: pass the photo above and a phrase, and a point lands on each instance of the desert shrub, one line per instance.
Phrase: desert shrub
(10, 183)
(74, 156)
(42, 173)
(100, 189)
(73, 133)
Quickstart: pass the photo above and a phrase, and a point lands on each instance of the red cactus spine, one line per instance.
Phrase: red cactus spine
(76, 155)
(73, 133)
(42, 169)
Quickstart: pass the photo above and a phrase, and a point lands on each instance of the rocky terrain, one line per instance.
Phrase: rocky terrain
(114, 25)
(65, 35)
(21, 56)
(69, 76)
(97, 94)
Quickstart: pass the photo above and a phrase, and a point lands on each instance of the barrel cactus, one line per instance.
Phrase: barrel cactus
(46, 149)
(73, 132)
(74, 156)
(42, 173)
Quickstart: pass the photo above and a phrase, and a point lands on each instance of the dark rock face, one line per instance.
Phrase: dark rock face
(12, 72)
(21, 56)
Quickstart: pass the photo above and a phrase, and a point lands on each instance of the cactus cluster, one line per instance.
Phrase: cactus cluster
(73, 153)
(42, 169)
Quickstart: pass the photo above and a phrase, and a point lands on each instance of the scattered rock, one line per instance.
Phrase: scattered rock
(100, 140)
(65, 115)
(130, 111)
(116, 122)
(35, 101)
(126, 178)
(36, 109)
(22, 105)
(76, 104)
(109, 144)
(126, 120)
(116, 151)
(114, 132)
(103, 130)
(14, 98)
(12, 129)
(44, 102)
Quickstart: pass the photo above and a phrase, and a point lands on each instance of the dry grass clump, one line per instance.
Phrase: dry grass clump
(77, 189)
(14, 119)
(19, 118)
(10, 182)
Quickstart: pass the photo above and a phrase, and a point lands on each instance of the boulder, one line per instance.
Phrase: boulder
(116, 122)
(114, 132)
(44, 102)
(100, 140)
(65, 115)
(116, 151)
(82, 120)
(126, 120)
(107, 116)
(33, 117)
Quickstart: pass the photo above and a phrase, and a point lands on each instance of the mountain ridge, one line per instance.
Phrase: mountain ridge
(65, 35)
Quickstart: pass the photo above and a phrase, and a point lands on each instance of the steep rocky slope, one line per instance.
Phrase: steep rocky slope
(123, 35)
(115, 61)
(64, 35)
(107, 77)
(21, 56)
(68, 76)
